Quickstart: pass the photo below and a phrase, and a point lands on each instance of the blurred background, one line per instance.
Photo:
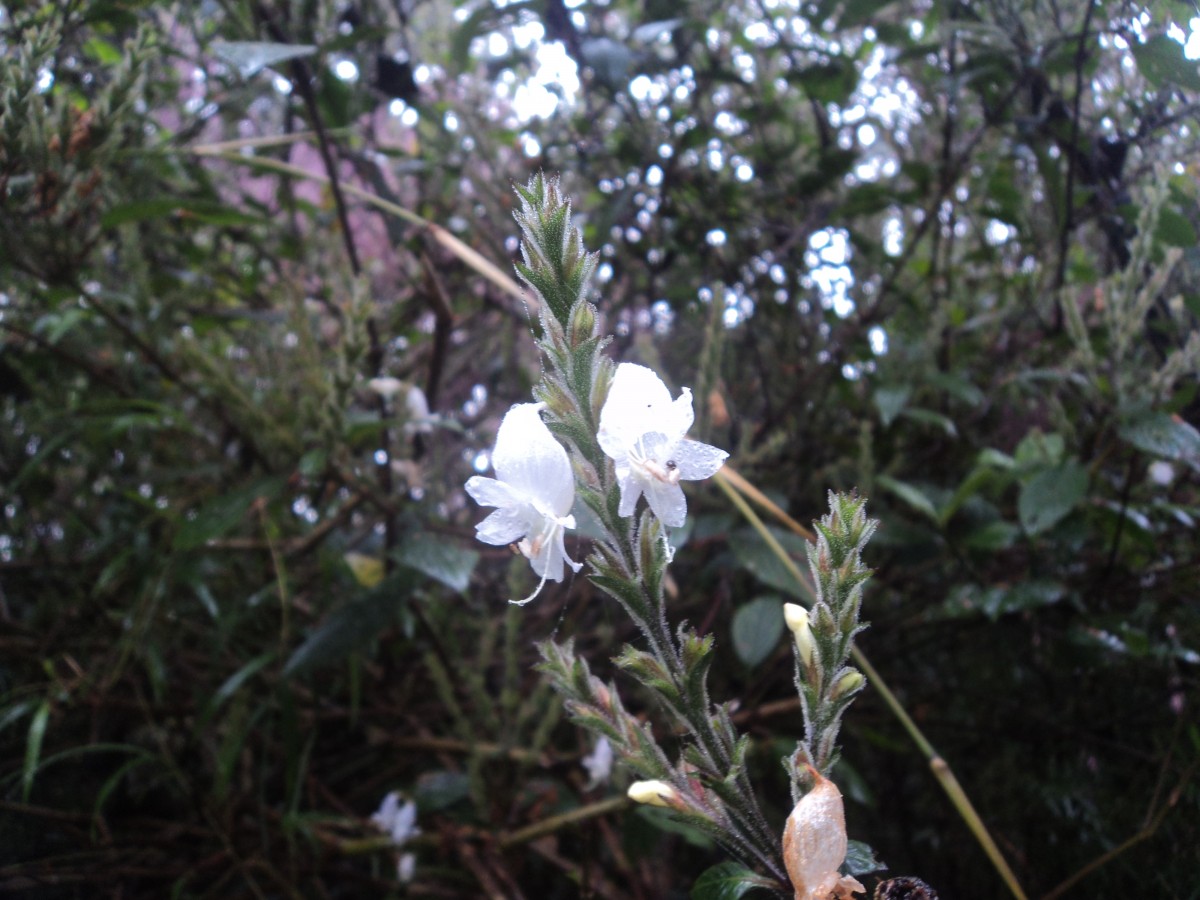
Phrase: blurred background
(258, 326)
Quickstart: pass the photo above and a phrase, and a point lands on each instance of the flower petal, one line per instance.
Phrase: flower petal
(667, 502)
(697, 461)
(531, 461)
(490, 492)
(680, 415)
(504, 526)
(637, 402)
(631, 489)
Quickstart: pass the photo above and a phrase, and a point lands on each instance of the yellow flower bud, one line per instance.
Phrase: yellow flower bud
(796, 617)
(850, 681)
(654, 793)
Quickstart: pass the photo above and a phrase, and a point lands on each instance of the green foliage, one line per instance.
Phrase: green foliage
(756, 630)
(726, 881)
(945, 258)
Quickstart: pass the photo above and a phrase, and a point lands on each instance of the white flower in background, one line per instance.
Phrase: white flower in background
(599, 763)
(419, 419)
(386, 387)
(1161, 473)
(643, 430)
(399, 822)
(533, 493)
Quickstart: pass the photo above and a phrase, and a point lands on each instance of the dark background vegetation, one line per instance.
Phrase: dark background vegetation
(944, 253)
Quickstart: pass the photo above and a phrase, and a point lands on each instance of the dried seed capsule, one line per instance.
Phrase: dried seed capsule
(814, 844)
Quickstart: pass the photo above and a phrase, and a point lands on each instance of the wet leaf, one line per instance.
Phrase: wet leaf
(1163, 435)
(728, 881)
(440, 559)
(757, 627)
(250, 57)
(1050, 495)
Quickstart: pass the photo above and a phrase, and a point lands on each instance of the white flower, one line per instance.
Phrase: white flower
(533, 493)
(386, 387)
(599, 763)
(643, 430)
(1161, 473)
(398, 820)
(406, 867)
(419, 419)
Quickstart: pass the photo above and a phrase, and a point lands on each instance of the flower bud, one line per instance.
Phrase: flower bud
(655, 793)
(582, 322)
(849, 682)
(796, 617)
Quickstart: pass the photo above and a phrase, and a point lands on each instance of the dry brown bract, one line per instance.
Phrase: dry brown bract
(814, 844)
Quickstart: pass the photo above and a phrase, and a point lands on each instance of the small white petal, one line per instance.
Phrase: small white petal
(680, 415)
(406, 867)
(667, 502)
(611, 441)
(386, 814)
(490, 492)
(504, 526)
(697, 461)
(418, 405)
(631, 489)
(599, 763)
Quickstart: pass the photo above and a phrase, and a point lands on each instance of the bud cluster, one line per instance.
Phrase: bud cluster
(824, 635)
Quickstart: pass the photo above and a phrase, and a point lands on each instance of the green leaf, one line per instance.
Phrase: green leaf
(1049, 495)
(1162, 62)
(1037, 449)
(910, 494)
(728, 881)
(890, 400)
(14, 712)
(958, 387)
(33, 748)
(351, 626)
(757, 626)
(665, 820)
(1163, 435)
(252, 56)
(970, 600)
(199, 211)
(223, 513)
(231, 686)
(440, 559)
(861, 860)
(994, 536)
(609, 59)
(313, 463)
(831, 82)
(929, 417)
(760, 561)
(1174, 229)
(439, 790)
